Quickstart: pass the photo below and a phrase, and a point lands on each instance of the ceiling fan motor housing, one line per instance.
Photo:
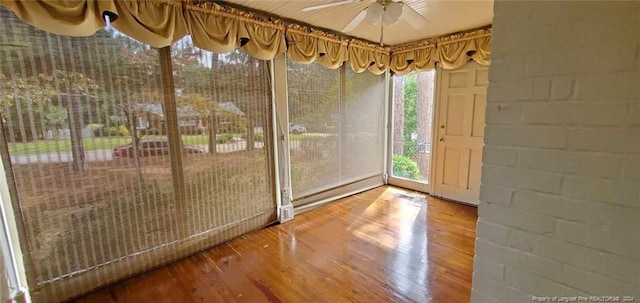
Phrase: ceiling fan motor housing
(389, 11)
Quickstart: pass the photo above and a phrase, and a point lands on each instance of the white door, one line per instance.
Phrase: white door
(462, 99)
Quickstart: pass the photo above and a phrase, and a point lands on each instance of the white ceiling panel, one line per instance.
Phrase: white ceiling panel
(445, 16)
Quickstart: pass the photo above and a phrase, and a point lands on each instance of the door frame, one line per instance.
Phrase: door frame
(436, 133)
(403, 182)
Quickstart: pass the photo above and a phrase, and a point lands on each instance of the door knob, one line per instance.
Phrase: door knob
(442, 126)
(442, 139)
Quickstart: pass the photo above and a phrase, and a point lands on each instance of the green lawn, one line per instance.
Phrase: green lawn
(48, 146)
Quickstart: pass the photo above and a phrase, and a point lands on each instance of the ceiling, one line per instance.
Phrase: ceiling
(445, 16)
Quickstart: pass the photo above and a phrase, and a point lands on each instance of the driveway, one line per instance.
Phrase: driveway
(107, 154)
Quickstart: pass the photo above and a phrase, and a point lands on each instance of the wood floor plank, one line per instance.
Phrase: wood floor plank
(383, 245)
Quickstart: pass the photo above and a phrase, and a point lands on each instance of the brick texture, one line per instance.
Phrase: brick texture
(560, 195)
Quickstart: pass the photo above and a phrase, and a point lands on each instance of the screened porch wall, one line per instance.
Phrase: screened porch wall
(4, 280)
(93, 212)
(341, 148)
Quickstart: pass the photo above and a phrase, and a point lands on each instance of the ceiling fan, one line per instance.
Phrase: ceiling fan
(378, 12)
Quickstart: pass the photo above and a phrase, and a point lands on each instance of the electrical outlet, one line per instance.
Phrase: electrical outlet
(286, 213)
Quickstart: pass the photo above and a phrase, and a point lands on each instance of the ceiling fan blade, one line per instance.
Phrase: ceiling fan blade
(355, 21)
(327, 5)
(415, 19)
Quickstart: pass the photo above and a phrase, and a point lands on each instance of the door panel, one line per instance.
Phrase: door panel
(478, 115)
(455, 115)
(458, 79)
(475, 160)
(452, 163)
(482, 77)
(461, 121)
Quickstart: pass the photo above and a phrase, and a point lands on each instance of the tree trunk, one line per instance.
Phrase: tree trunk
(424, 108)
(256, 93)
(265, 109)
(135, 144)
(75, 127)
(398, 115)
(212, 131)
(213, 119)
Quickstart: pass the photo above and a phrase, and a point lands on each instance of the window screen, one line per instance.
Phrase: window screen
(86, 127)
(4, 279)
(228, 147)
(336, 128)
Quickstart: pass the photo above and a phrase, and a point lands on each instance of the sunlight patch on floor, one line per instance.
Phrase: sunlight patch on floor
(398, 217)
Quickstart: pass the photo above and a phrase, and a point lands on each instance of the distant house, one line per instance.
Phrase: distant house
(150, 117)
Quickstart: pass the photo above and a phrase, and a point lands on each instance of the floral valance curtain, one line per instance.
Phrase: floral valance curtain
(158, 23)
(449, 52)
(68, 18)
(455, 50)
(220, 29)
(307, 45)
(366, 56)
(420, 57)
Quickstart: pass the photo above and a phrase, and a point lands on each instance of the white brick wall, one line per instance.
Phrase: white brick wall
(560, 195)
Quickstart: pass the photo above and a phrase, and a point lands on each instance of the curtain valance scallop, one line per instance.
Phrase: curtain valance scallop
(366, 56)
(449, 52)
(159, 23)
(306, 45)
(455, 50)
(420, 57)
(221, 29)
(68, 18)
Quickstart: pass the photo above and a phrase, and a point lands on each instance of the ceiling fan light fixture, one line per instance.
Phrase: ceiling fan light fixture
(374, 11)
(392, 12)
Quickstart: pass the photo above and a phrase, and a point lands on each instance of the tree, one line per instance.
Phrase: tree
(398, 115)
(70, 61)
(425, 112)
(56, 118)
(410, 147)
(73, 86)
(310, 85)
(254, 66)
(130, 112)
(53, 89)
(249, 87)
(213, 123)
(23, 98)
(196, 78)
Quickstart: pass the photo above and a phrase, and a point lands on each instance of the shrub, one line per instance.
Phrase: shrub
(410, 148)
(405, 168)
(123, 131)
(111, 131)
(257, 136)
(223, 138)
(232, 123)
(117, 131)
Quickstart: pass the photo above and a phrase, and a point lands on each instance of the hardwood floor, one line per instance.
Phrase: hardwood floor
(383, 245)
